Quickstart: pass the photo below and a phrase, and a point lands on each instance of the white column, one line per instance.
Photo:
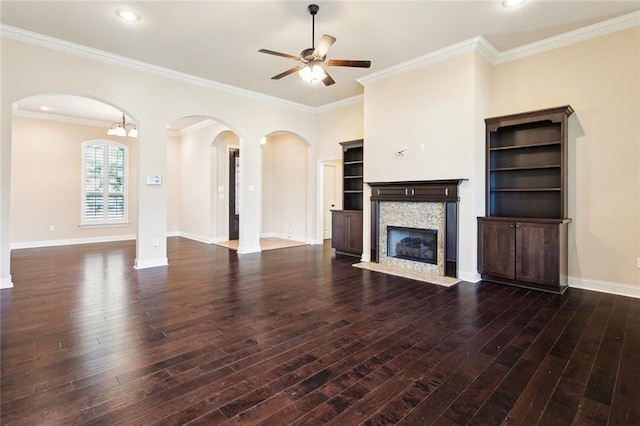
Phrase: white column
(250, 193)
(151, 242)
(5, 196)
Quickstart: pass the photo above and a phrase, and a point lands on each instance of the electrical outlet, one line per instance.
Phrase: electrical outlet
(423, 148)
(638, 263)
(52, 228)
(156, 242)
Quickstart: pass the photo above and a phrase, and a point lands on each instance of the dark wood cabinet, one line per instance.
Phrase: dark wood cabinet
(524, 252)
(352, 174)
(346, 224)
(346, 232)
(523, 238)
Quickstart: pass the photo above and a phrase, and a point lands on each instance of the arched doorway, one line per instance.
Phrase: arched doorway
(198, 178)
(285, 191)
(73, 177)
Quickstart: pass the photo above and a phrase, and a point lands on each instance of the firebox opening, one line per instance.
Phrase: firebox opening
(418, 245)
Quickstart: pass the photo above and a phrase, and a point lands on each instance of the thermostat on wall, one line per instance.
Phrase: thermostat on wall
(154, 179)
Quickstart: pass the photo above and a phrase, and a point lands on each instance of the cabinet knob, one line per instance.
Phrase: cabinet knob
(511, 226)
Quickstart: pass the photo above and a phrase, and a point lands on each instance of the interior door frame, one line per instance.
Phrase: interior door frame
(320, 193)
(232, 153)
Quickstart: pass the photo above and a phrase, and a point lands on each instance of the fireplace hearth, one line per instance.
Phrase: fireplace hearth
(415, 244)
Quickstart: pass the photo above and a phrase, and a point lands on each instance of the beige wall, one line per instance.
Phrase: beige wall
(443, 106)
(203, 168)
(600, 79)
(284, 187)
(46, 181)
(436, 113)
(338, 125)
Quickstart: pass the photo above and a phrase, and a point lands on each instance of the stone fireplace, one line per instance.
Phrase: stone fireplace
(427, 211)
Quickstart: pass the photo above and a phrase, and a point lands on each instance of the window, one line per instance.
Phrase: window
(104, 183)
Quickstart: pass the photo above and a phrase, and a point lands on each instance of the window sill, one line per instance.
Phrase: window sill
(104, 225)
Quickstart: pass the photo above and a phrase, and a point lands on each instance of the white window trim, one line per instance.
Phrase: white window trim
(106, 222)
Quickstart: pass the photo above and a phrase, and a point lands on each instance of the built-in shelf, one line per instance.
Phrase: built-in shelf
(346, 224)
(530, 145)
(511, 169)
(522, 240)
(525, 189)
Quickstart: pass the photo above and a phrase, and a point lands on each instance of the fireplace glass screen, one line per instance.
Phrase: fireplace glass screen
(419, 245)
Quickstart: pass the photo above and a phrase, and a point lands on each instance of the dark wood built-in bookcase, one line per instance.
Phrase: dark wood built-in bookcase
(523, 238)
(353, 172)
(346, 224)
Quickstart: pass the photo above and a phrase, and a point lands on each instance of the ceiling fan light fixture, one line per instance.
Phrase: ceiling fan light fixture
(512, 3)
(312, 73)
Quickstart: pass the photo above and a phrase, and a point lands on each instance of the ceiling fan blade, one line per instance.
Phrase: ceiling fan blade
(287, 72)
(323, 46)
(348, 63)
(328, 81)
(284, 55)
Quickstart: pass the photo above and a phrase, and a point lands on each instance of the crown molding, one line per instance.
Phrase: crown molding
(478, 44)
(484, 48)
(340, 104)
(62, 118)
(439, 55)
(576, 36)
(63, 46)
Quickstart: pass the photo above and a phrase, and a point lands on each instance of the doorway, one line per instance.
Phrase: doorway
(234, 193)
(330, 194)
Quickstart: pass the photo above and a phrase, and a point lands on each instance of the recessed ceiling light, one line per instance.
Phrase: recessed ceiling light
(45, 108)
(128, 15)
(512, 3)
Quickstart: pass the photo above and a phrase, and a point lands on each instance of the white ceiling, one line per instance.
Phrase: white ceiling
(219, 40)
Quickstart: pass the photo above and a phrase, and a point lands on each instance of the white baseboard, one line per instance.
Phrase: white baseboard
(286, 237)
(605, 286)
(472, 277)
(150, 263)
(195, 237)
(173, 234)
(249, 249)
(5, 282)
(90, 240)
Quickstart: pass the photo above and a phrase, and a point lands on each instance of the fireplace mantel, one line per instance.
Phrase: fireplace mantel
(432, 191)
(435, 191)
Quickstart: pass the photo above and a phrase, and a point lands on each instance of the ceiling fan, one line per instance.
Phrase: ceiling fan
(312, 58)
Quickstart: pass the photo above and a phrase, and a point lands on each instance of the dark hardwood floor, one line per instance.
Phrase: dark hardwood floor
(298, 336)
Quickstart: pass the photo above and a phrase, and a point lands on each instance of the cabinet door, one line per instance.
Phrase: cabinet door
(537, 251)
(355, 233)
(339, 229)
(496, 248)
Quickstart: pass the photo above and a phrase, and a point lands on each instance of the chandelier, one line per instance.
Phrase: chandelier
(123, 129)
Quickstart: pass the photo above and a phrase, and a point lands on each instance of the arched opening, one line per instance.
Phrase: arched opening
(199, 192)
(285, 190)
(62, 193)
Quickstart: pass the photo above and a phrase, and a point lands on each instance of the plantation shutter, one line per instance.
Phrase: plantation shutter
(104, 183)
